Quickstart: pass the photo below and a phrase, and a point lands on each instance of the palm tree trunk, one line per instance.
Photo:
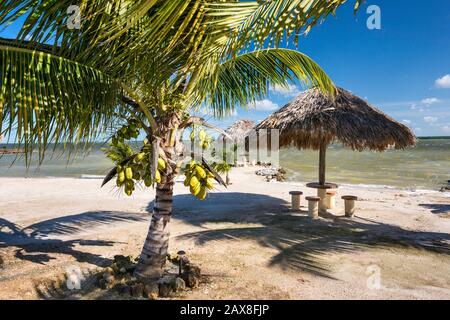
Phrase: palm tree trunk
(154, 252)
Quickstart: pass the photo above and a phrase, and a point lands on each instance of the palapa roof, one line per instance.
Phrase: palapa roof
(313, 118)
(239, 130)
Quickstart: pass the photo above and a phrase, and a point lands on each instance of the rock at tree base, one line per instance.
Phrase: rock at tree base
(108, 277)
(179, 285)
(119, 276)
(102, 283)
(166, 285)
(115, 268)
(123, 262)
(191, 269)
(151, 291)
(137, 290)
(165, 289)
(109, 270)
(191, 280)
(123, 289)
(191, 275)
(153, 296)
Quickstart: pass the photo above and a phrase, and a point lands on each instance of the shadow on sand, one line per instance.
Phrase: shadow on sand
(300, 241)
(437, 208)
(35, 242)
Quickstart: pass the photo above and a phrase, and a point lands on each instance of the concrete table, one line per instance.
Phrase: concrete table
(322, 193)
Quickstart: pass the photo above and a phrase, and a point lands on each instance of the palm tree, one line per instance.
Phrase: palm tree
(146, 65)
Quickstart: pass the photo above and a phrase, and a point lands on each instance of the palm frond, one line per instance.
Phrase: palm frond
(46, 98)
(267, 23)
(248, 77)
(133, 39)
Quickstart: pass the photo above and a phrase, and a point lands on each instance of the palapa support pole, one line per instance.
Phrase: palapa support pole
(322, 192)
(322, 155)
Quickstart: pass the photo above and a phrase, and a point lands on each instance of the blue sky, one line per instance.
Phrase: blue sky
(403, 68)
(395, 68)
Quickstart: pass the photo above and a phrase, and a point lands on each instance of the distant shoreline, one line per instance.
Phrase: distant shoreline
(4, 145)
(434, 138)
(11, 151)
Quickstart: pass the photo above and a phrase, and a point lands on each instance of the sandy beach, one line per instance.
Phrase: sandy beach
(247, 241)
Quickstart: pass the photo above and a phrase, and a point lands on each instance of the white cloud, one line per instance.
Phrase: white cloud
(444, 82)
(264, 105)
(406, 121)
(430, 119)
(430, 101)
(290, 90)
(446, 129)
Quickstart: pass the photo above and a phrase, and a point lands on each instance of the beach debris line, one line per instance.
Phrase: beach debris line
(4, 150)
(446, 187)
(272, 173)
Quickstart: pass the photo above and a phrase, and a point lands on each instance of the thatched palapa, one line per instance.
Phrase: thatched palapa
(314, 120)
(239, 130)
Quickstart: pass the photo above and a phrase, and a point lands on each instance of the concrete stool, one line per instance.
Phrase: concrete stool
(331, 199)
(349, 205)
(295, 199)
(313, 207)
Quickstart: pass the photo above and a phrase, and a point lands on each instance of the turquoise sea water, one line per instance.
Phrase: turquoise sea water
(426, 166)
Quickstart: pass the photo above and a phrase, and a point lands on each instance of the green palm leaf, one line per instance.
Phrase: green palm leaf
(262, 23)
(45, 98)
(247, 78)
